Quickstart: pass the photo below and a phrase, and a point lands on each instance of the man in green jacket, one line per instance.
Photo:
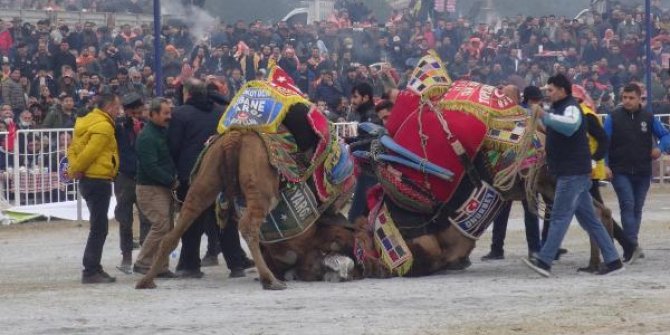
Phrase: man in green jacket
(63, 115)
(156, 178)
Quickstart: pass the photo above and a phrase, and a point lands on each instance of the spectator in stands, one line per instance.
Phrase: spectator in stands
(61, 115)
(93, 160)
(26, 120)
(327, 91)
(62, 58)
(12, 92)
(363, 110)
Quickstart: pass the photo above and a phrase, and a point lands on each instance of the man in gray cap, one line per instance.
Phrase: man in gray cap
(128, 127)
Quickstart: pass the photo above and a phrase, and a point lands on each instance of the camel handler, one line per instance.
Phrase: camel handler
(599, 145)
(94, 161)
(156, 179)
(569, 159)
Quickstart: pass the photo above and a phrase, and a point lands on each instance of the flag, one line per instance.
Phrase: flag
(278, 78)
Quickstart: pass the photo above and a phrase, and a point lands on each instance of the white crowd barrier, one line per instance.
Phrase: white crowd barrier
(31, 167)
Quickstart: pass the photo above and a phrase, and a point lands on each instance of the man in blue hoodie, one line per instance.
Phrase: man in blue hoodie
(569, 159)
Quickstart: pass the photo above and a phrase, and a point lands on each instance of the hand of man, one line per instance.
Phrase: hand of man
(608, 173)
(76, 176)
(655, 153)
(539, 112)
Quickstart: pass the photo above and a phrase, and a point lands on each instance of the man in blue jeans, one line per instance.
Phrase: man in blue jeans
(631, 131)
(569, 159)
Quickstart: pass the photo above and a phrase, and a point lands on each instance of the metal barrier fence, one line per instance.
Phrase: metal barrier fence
(31, 169)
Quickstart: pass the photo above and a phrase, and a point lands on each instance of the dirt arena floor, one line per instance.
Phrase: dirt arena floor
(40, 292)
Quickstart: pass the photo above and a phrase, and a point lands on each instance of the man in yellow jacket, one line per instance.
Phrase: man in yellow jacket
(94, 160)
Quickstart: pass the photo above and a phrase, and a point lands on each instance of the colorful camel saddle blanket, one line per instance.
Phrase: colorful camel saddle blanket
(296, 212)
(260, 106)
(419, 128)
(389, 245)
(331, 166)
(475, 215)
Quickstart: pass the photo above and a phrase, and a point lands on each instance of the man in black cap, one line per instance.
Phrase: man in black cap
(128, 127)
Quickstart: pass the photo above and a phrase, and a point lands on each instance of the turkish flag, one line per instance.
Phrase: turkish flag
(279, 78)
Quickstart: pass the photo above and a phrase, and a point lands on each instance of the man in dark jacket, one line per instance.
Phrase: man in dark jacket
(327, 91)
(363, 110)
(63, 57)
(569, 159)
(127, 129)
(191, 126)
(156, 178)
(632, 148)
(363, 106)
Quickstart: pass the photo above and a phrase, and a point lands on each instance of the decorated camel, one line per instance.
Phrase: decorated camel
(451, 153)
(277, 168)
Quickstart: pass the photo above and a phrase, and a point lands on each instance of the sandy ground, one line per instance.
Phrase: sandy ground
(40, 293)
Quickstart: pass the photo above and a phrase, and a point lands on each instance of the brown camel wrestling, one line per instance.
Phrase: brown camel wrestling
(238, 164)
(445, 248)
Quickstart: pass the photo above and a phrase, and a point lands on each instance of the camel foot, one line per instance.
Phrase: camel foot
(145, 283)
(274, 286)
(461, 264)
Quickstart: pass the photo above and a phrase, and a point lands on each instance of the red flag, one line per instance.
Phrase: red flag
(279, 78)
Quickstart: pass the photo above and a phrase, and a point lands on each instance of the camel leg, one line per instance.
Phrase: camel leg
(260, 185)
(605, 215)
(457, 247)
(207, 184)
(428, 255)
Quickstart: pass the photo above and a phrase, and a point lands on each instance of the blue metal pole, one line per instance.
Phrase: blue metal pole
(647, 7)
(158, 50)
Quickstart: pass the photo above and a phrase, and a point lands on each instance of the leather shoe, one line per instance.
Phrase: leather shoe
(193, 274)
(100, 277)
(237, 273)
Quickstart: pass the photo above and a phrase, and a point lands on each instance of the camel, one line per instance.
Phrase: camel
(238, 163)
(447, 249)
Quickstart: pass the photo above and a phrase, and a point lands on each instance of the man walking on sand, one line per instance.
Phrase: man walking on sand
(94, 161)
(156, 178)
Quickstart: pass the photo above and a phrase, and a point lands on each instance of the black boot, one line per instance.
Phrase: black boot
(494, 255)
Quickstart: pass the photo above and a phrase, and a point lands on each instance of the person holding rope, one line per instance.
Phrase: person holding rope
(569, 159)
